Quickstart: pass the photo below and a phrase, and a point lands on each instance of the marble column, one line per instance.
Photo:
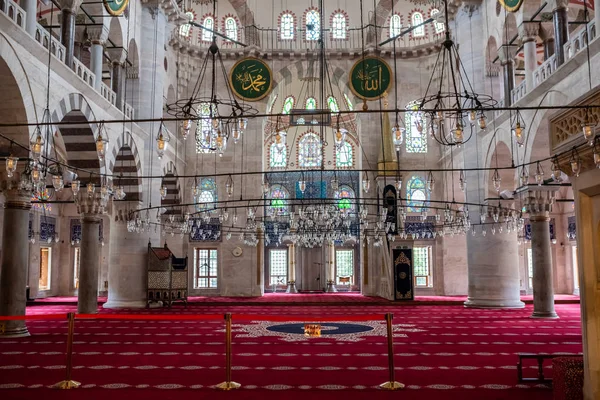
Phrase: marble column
(331, 268)
(547, 35)
(127, 266)
(538, 201)
(291, 285)
(67, 34)
(87, 299)
(506, 53)
(528, 32)
(15, 257)
(30, 7)
(561, 29)
(117, 83)
(96, 61)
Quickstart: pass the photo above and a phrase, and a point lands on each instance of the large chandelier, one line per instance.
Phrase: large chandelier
(219, 117)
(452, 107)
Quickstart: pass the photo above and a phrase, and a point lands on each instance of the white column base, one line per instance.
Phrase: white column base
(488, 303)
(125, 304)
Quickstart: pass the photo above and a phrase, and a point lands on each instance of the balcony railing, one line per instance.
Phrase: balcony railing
(42, 36)
(83, 72)
(13, 11)
(108, 93)
(519, 92)
(579, 40)
(544, 71)
(270, 39)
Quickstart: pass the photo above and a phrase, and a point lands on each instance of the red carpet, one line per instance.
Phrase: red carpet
(442, 352)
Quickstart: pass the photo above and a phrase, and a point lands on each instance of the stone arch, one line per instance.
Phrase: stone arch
(500, 157)
(78, 137)
(171, 181)
(509, 29)
(491, 52)
(125, 161)
(18, 105)
(116, 32)
(133, 56)
(246, 19)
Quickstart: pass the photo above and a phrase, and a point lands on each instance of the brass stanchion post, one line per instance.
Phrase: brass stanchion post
(391, 384)
(228, 384)
(68, 383)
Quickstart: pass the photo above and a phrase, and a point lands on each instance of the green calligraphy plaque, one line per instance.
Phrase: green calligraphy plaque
(511, 5)
(250, 79)
(115, 7)
(370, 78)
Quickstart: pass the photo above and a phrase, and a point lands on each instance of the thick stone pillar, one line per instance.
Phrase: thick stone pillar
(547, 35)
(331, 268)
(96, 61)
(30, 7)
(117, 83)
(291, 285)
(561, 29)
(127, 266)
(15, 258)
(87, 299)
(528, 32)
(68, 12)
(538, 202)
(506, 53)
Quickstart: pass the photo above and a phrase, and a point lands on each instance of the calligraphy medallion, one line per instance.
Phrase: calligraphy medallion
(115, 7)
(511, 5)
(370, 78)
(250, 79)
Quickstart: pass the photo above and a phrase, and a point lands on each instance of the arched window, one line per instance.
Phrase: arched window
(348, 102)
(416, 194)
(288, 104)
(309, 151)
(417, 19)
(416, 138)
(395, 25)
(313, 25)
(343, 155)
(208, 23)
(311, 103)
(286, 27)
(278, 156)
(204, 141)
(185, 29)
(345, 198)
(338, 26)
(333, 105)
(278, 196)
(439, 26)
(207, 195)
(231, 29)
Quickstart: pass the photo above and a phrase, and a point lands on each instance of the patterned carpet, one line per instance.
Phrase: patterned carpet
(442, 352)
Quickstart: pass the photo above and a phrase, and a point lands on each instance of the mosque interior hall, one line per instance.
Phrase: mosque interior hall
(250, 199)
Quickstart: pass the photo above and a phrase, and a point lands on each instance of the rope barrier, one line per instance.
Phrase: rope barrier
(136, 317)
(303, 318)
(32, 317)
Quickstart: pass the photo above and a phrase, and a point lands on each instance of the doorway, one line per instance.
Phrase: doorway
(312, 266)
(45, 268)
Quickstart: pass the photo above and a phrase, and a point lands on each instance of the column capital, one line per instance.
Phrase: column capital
(538, 200)
(117, 55)
(547, 31)
(528, 31)
(507, 53)
(70, 5)
(97, 34)
(124, 211)
(91, 207)
(17, 194)
(558, 4)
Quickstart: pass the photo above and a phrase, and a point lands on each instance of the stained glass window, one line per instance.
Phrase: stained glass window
(278, 267)
(278, 196)
(286, 28)
(41, 196)
(333, 105)
(417, 19)
(231, 29)
(530, 267)
(422, 266)
(338, 26)
(204, 130)
(207, 197)
(309, 151)
(288, 104)
(416, 138)
(343, 155)
(205, 268)
(208, 23)
(395, 25)
(416, 194)
(278, 156)
(344, 267)
(311, 103)
(313, 25)
(184, 30)
(348, 102)
(439, 26)
(345, 196)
